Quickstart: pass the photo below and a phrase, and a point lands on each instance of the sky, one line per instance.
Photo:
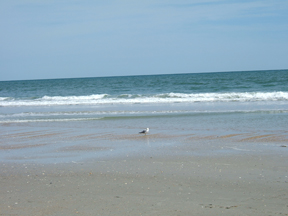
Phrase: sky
(86, 38)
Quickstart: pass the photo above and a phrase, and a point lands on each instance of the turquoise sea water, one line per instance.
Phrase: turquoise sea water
(94, 98)
(251, 102)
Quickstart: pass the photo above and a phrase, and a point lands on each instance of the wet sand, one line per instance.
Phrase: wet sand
(157, 174)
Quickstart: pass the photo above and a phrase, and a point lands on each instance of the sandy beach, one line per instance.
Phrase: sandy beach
(156, 174)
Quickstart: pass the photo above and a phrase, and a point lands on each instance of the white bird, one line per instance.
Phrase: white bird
(145, 131)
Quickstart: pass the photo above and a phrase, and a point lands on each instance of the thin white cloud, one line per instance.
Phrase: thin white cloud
(226, 10)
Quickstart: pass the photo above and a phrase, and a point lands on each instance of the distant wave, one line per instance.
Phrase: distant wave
(45, 120)
(94, 116)
(99, 99)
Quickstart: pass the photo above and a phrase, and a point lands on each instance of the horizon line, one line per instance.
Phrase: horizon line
(144, 75)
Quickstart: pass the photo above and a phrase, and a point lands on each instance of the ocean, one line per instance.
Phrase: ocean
(82, 99)
(202, 104)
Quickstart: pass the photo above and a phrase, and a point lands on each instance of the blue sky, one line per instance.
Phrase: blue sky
(85, 38)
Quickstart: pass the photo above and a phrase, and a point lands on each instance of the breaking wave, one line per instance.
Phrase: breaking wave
(98, 99)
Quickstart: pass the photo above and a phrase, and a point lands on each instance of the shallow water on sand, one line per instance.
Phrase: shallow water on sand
(74, 141)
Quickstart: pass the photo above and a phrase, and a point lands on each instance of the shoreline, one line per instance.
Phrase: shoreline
(44, 146)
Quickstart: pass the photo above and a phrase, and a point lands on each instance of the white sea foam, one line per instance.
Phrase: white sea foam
(60, 116)
(86, 114)
(47, 120)
(154, 99)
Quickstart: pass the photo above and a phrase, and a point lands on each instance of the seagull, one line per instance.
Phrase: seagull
(145, 131)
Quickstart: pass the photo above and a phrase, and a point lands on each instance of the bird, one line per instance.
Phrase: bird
(145, 131)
